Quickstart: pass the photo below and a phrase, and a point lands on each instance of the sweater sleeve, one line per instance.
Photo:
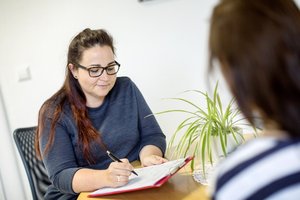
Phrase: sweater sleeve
(151, 133)
(60, 161)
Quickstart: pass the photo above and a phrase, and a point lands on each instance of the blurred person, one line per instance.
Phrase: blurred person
(256, 44)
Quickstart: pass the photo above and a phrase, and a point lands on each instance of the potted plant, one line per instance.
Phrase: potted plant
(208, 133)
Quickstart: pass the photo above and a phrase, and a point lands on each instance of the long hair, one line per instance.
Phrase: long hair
(72, 94)
(257, 45)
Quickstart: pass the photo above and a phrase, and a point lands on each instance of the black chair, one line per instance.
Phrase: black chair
(35, 170)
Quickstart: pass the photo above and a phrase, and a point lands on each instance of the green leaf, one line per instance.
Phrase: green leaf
(203, 123)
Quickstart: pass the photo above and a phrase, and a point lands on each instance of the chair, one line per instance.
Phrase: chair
(35, 170)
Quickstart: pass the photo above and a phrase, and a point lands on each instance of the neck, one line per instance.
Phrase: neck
(95, 103)
(276, 133)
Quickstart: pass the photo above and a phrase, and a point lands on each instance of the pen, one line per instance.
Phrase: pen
(114, 158)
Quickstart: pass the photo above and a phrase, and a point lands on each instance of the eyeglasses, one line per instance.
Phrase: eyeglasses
(96, 70)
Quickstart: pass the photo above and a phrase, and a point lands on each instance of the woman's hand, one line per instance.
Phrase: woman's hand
(118, 173)
(152, 160)
(151, 155)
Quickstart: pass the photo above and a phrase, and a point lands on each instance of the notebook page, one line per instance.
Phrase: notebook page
(147, 176)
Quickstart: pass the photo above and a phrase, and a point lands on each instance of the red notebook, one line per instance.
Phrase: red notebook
(148, 177)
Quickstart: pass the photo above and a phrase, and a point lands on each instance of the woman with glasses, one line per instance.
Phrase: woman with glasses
(256, 43)
(95, 111)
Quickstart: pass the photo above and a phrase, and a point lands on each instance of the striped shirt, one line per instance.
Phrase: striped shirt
(264, 168)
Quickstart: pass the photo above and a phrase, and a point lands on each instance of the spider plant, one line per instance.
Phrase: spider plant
(197, 130)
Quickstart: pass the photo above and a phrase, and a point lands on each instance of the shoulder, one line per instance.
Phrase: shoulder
(123, 79)
(261, 157)
(57, 105)
(123, 85)
(123, 82)
(124, 91)
(246, 152)
(258, 150)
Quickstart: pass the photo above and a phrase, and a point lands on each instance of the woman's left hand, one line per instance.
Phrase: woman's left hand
(153, 160)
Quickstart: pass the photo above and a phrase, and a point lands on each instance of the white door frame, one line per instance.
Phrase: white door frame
(10, 176)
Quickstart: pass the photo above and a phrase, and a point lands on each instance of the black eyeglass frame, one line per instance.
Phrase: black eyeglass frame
(102, 68)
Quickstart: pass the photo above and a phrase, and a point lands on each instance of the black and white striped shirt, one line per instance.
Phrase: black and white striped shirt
(264, 168)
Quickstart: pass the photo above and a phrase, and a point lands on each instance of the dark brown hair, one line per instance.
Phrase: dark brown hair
(72, 94)
(257, 45)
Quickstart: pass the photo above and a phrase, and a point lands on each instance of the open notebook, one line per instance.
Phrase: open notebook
(148, 177)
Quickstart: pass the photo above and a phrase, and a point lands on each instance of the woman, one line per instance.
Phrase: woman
(256, 43)
(93, 112)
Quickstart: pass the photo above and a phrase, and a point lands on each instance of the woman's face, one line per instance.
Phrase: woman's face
(95, 88)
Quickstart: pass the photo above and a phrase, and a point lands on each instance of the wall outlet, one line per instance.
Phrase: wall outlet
(24, 74)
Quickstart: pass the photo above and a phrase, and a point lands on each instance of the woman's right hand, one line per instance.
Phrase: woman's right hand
(118, 173)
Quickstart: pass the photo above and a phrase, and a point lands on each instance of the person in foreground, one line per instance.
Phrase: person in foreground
(257, 46)
(92, 113)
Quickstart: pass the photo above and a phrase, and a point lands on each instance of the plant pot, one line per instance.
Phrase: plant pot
(232, 144)
(204, 176)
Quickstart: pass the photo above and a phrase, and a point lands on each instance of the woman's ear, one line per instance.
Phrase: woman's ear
(73, 70)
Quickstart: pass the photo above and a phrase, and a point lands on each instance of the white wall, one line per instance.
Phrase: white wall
(161, 45)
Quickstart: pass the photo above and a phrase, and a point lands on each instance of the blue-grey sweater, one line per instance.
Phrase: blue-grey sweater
(124, 128)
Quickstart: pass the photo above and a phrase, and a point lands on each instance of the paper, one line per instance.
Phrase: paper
(147, 176)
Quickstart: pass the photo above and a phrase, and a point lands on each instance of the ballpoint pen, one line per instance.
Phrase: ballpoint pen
(114, 158)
